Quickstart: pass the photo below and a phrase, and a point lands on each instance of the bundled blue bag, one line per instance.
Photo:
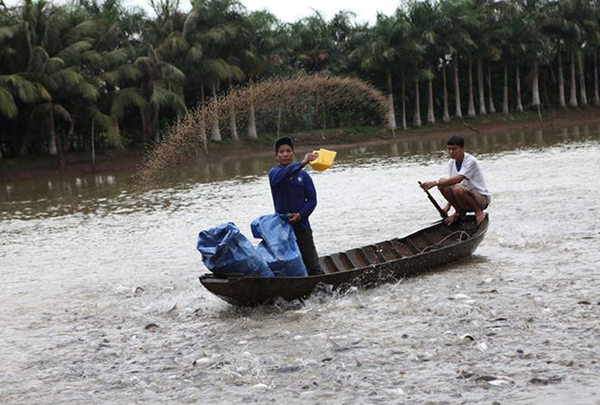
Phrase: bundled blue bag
(278, 247)
(225, 250)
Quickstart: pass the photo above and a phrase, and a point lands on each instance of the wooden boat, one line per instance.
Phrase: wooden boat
(392, 260)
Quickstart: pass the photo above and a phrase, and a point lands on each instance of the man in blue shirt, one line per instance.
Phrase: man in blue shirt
(294, 194)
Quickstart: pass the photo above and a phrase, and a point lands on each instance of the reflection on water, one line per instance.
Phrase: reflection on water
(68, 189)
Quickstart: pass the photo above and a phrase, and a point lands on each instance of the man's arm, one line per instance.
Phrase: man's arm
(280, 173)
(443, 182)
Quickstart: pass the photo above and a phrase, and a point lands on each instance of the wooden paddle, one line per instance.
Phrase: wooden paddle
(434, 202)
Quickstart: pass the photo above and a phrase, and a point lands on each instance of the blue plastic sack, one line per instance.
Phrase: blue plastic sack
(225, 250)
(278, 247)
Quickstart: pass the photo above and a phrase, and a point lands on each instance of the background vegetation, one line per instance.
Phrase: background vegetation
(94, 74)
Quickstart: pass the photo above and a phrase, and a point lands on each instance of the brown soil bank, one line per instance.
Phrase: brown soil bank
(110, 161)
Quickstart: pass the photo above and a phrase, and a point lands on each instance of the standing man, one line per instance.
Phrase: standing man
(294, 194)
(464, 189)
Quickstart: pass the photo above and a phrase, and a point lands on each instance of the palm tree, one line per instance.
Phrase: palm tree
(211, 30)
(557, 29)
(423, 17)
(263, 46)
(13, 85)
(56, 44)
(592, 31)
(459, 41)
(408, 51)
(378, 53)
(538, 45)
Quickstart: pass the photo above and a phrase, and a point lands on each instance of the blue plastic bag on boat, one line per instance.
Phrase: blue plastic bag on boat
(226, 250)
(278, 246)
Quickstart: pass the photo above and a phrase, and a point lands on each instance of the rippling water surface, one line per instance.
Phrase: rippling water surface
(100, 301)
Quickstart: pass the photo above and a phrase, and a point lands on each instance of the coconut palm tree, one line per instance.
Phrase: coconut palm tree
(152, 84)
(13, 85)
(56, 43)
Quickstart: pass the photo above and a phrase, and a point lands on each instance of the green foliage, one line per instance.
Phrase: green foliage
(135, 74)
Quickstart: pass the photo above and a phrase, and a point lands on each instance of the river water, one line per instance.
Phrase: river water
(100, 301)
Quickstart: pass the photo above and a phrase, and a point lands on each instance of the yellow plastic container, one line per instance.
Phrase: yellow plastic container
(324, 161)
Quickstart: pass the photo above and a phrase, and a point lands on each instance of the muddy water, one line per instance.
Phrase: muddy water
(87, 265)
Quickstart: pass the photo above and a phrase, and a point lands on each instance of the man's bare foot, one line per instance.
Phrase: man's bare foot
(453, 218)
(479, 216)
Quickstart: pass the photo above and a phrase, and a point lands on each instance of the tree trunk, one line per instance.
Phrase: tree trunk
(417, 117)
(61, 151)
(202, 127)
(215, 133)
(446, 116)
(561, 82)
(582, 91)
(573, 96)
(457, 90)
(544, 84)
(471, 112)
(518, 83)
(156, 124)
(252, 134)
(391, 111)
(68, 145)
(430, 112)
(233, 125)
(596, 96)
(145, 124)
(52, 149)
(93, 147)
(404, 126)
(24, 150)
(252, 122)
(490, 96)
(535, 88)
(278, 120)
(505, 109)
(482, 110)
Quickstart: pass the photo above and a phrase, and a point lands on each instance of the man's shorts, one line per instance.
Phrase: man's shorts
(482, 200)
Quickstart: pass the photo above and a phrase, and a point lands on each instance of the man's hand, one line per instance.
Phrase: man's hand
(309, 158)
(429, 184)
(294, 218)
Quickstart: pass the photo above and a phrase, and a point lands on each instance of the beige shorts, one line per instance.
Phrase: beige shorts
(482, 200)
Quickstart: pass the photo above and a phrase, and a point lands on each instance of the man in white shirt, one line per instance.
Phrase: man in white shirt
(464, 188)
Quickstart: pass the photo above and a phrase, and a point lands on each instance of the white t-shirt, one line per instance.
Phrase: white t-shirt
(471, 170)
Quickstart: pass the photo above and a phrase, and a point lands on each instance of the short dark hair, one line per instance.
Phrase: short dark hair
(284, 140)
(456, 140)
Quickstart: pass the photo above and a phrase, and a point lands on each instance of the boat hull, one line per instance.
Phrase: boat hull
(252, 290)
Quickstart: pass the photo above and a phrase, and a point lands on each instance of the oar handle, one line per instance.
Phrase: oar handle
(434, 202)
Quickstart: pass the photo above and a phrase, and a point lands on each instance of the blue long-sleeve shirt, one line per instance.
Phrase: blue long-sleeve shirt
(293, 191)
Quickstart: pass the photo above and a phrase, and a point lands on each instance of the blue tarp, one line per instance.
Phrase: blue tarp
(278, 247)
(225, 250)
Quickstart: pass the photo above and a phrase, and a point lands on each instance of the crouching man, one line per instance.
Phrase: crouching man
(464, 189)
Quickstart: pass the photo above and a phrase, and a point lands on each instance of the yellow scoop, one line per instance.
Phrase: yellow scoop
(324, 161)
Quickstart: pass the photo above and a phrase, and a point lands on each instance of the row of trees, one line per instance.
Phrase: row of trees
(96, 73)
